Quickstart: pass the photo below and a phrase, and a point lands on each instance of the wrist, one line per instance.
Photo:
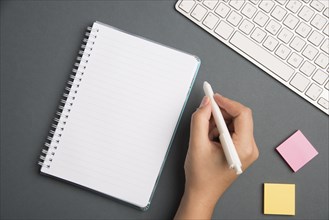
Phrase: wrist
(209, 193)
(195, 206)
(201, 198)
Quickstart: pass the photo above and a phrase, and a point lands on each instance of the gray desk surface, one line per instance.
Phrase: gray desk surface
(39, 43)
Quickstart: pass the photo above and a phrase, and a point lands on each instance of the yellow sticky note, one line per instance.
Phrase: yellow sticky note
(279, 199)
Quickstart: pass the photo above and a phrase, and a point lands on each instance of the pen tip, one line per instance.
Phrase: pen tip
(206, 85)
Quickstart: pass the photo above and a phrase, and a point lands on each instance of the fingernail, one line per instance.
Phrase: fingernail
(205, 101)
(217, 94)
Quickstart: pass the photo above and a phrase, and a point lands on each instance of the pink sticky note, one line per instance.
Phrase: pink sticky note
(297, 151)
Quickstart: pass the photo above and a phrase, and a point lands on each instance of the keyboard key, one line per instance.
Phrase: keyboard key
(297, 44)
(210, 3)
(261, 19)
(281, 2)
(258, 35)
(326, 30)
(303, 29)
(224, 30)
(293, 6)
(322, 61)
(237, 4)
(266, 5)
(211, 20)
(318, 22)
(270, 43)
(249, 10)
(314, 91)
(315, 38)
(310, 52)
(234, 18)
(324, 103)
(317, 5)
(278, 13)
(222, 10)
(273, 27)
(246, 26)
(326, 12)
(291, 21)
(300, 82)
(327, 86)
(325, 46)
(285, 35)
(262, 56)
(199, 12)
(306, 13)
(307, 68)
(255, 2)
(186, 5)
(295, 60)
(320, 77)
(282, 51)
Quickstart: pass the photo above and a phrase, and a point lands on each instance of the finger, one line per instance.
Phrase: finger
(229, 106)
(242, 116)
(226, 116)
(200, 121)
(212, 123)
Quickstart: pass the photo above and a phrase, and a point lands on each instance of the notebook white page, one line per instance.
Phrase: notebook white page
(124, 115)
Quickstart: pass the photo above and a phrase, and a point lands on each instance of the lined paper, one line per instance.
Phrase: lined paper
(124, 115)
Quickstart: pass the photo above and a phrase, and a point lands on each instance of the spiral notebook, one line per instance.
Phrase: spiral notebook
(118, 115)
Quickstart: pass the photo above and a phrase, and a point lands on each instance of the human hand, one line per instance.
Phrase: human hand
(206, 169)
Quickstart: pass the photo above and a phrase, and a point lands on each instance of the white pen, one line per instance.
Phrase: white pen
(231, 155)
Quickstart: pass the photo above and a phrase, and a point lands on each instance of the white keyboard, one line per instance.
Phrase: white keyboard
(289, 40)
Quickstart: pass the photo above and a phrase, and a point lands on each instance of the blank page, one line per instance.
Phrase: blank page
(123, 115)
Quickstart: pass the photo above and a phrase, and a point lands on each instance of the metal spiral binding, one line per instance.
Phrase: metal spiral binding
(64, 108)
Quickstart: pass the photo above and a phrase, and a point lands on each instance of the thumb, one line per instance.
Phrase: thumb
(200, 121)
